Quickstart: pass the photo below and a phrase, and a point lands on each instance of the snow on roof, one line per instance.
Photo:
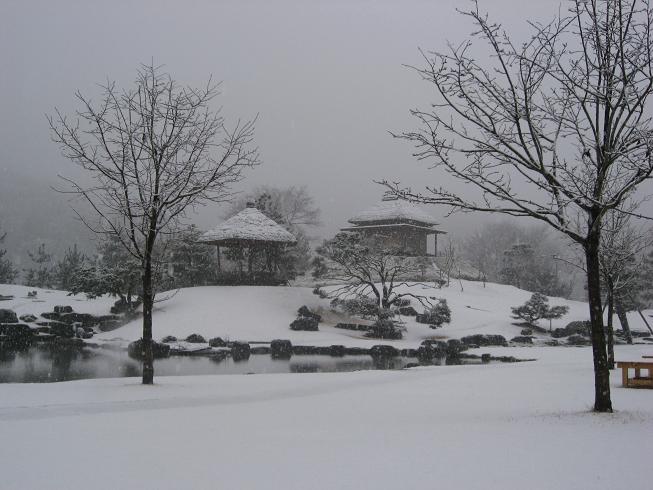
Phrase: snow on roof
(249, 224)
(396, 210)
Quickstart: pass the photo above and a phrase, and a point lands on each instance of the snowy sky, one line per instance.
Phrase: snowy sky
(325, 77)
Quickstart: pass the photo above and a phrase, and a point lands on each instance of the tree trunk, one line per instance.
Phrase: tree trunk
(148, 301)
(623, 319)
(610, 330)
(602, 402)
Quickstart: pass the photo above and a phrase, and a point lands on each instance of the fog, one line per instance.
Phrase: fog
(326, 79)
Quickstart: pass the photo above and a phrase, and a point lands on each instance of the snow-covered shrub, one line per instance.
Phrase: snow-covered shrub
(360, 306)
(536, 308)
(437, 315)
(384, 329)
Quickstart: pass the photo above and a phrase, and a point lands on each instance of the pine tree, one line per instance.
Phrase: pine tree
(537, 307)
(68, 266)
(42, 274)
(193, 263)
(7, 271)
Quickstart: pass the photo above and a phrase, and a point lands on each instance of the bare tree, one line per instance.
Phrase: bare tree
(363, 266)
(153, 152)
(554, 129)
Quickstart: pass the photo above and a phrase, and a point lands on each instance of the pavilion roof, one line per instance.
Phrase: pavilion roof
(248, 225)
(393, 211)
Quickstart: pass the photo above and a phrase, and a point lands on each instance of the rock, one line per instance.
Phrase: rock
(195, 338)
(485, 358)
(433, 349)
(109, 325)
(83, 318)
(159, 351)
(304, 350)
(49, 315)
(168, 339)
(384, 351)
(578, 340)
(558, 333)
(87, 335)
(281, 349)
(29, 318)
(527, 331)
(455, 347)
(357, 351)
(407, 311)
(240, 351)
(485, 340)
(217, 342)
(352, 326)
(552, 343)
(305, 312)
(16, 335)
(524, 339)
(61, 329)
(305, 324)
(337, 350)
(63, 309)
(578, 327)
(8, 316)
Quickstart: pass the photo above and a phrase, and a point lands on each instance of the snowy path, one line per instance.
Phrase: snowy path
(493, 427)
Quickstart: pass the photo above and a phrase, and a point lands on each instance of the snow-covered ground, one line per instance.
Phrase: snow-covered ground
(261, 313)
(503, 426)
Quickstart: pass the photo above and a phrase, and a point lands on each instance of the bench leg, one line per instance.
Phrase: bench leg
(624, 376)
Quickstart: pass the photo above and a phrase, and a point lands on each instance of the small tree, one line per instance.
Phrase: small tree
(67, 267)
(7, 270)
(152, 152)
(193, 263)
(438, 314)
(537, 307)
(366, 267)
(41, 275)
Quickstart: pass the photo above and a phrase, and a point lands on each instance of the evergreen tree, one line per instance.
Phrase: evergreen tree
(41, 275)
(67, 267)
(523, 268)
(7, 271)
(536, 308)
(193, 263)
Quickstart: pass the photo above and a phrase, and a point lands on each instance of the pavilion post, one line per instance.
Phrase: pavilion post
(218, 255)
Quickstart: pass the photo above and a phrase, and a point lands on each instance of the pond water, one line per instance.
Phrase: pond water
(43, 364)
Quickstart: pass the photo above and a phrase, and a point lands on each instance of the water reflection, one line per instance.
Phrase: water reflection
(49, 363)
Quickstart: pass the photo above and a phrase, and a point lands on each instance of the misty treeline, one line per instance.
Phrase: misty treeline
(179, 259)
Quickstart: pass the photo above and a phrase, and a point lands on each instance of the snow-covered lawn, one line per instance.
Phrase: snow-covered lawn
(503, 426)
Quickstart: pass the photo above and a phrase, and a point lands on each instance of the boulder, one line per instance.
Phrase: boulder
(407, 311)
(49, 315)
(159, 351)
(29, 318)
(384, 351)
(168, 339)
(527, 331)
(305, 312)
(8, 316)
(16, 334)
(240, 351)
(578, 340)
(85, 319)
(110, 325)
(337, 350)
(524, 339)
(578, 327)
(455, 347)
(63, 309)
(306, 324)
(217, 342)
(485, 340)
(281, 349)
(61, 329)
(195, 338)
(558, 333)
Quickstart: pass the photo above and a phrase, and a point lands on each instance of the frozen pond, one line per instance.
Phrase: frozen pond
(42, 364)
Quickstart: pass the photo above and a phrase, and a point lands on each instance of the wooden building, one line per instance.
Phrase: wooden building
(399, 225)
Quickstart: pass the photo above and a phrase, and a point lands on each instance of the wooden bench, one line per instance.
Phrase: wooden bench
(638, 381)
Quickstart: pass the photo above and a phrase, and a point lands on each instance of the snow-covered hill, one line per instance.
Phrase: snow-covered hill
(263, 313)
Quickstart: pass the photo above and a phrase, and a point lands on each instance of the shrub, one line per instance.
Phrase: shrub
(437, 315)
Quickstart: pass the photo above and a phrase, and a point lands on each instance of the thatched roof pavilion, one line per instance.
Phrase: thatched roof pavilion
(250, 229)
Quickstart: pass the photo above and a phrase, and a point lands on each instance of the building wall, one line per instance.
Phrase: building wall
(410, 242)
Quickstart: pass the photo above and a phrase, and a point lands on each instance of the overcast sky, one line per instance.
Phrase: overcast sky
(325, 77)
